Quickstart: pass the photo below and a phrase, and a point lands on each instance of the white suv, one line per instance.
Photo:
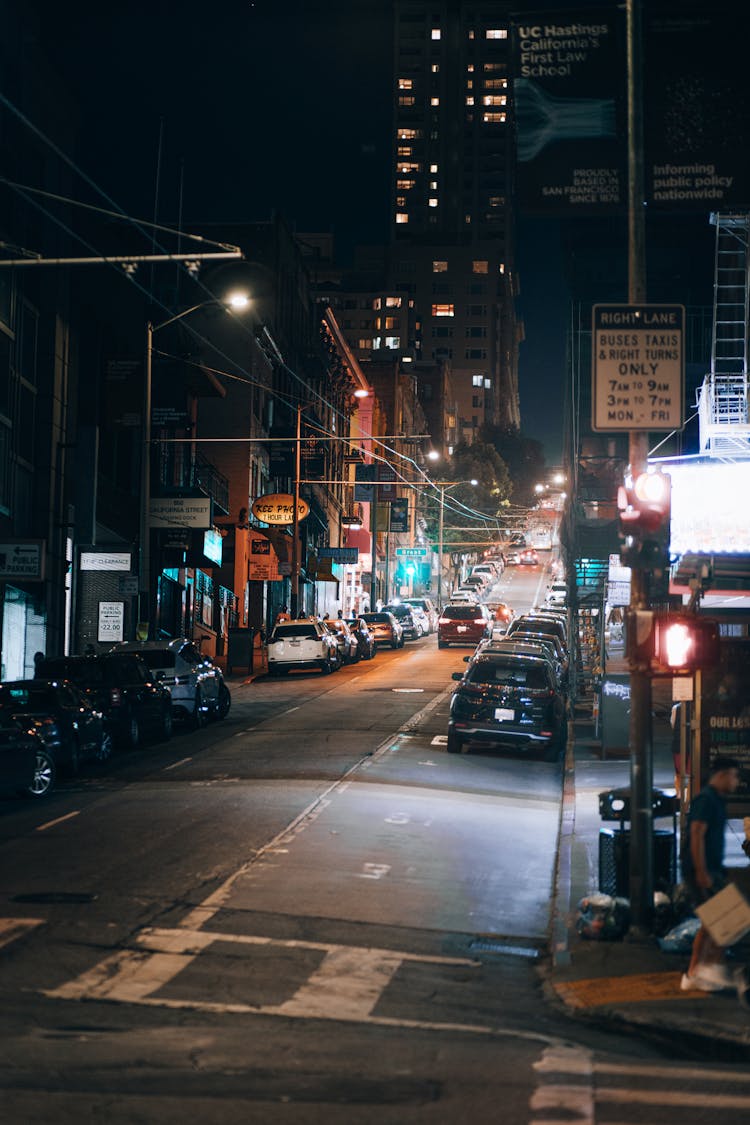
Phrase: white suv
(302, 644)
(195, 682)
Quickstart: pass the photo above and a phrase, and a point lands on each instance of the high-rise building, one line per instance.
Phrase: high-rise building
(452, 229)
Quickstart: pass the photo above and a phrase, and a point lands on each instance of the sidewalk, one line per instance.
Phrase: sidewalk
(630, 984)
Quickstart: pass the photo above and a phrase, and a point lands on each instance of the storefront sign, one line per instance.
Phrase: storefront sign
(278, 508)
(262, 563)
(105, 560)
(181, 511)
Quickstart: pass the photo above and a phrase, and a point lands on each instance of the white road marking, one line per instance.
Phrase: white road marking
(439, 740)
(290, 710)
(175, 765)
(623, 1095)
(573, 1099)
(346, 986)
(399, 818)
(373, 871)
(13, 928)
(59, 820)
(408, 690)
(561, 1064)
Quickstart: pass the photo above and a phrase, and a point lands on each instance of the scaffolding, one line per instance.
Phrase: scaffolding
(723, 397)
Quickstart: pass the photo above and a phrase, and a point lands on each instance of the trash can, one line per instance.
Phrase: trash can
(614, 843)
(240, 644)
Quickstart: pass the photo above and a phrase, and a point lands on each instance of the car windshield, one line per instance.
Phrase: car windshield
(286, 632)
(377, 618)
(510, 674)
(461, 612)
(157, 658)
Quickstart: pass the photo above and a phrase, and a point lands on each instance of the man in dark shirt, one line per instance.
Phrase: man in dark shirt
(703, 870)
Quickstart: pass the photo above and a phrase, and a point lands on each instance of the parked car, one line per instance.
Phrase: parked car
(412, 630)
(119, 684)
(365, 637)
(554, 617)
(487, 571)
(529, 623)
(302, 644)
(465, 594)
(428, 608)
(348, 647)
(71, 730)
(529, 557)
(502, 615)
(477, 581)
(386, 629)
(26, 766)
(557, 594)
(197, 685)
(461, 624)
(510, 700)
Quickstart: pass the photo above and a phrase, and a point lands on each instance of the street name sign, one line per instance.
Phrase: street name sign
(411, 552)
(638, 367)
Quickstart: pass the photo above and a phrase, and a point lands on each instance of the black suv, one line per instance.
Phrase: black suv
(508, 699)
(120, 685)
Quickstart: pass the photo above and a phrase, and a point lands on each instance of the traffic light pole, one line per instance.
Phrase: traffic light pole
(641, 757)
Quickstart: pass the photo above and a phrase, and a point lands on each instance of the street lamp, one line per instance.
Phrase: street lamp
(235, 301)
(444, 487)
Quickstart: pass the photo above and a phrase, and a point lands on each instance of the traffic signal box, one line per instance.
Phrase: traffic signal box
(671, 644)
(645, 509)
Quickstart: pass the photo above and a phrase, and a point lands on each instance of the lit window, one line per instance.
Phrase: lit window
(443, 310)
(365, 345)
(497, 201)
(377, 341)
(436, 33)
(497, 33)
(390, 322)
(433, 185)
(407, 99)
(440, 267)
(405, 185)
(470, 84)
(406, 168)
(467, 219)
(493, 99)
(435, 68)
(377, 303)
(434, 101)
(501, 267)
(492, 67)
(481, 266)
(401, 201)
(493, 118)
(495, 83)
(404, 150)
(433, 201)
(470, 68)
(470, 99)
(401, 217)
(393, 341)
(393, 302)
(409, 134)
(477, 380)
(488, 384)
(471, 35)
(433, 167)
(405, 84)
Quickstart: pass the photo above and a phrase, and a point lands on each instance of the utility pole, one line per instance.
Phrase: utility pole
(641, 756)
(296, 562)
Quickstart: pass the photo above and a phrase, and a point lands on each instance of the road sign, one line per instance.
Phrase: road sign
(411, 552)
(637, 367)
(22, 558)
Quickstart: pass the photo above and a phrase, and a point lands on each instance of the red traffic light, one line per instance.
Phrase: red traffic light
(673, 644)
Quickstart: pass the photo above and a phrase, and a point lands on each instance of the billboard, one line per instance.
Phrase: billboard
(569, 93)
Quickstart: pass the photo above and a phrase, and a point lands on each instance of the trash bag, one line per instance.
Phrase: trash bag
(680, 938)
(602, 917)
(664, 915)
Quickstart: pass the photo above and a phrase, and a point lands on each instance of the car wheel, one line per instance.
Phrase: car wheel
(45, 773)
(167, 725)
(106, 746)
(442, 644)
(225, 702)
(395, 644)
(454, 743)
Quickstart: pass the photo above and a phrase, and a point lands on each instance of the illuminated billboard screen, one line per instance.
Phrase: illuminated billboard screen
(710, 508)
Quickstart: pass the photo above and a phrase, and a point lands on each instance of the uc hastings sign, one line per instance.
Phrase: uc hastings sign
(278, 508)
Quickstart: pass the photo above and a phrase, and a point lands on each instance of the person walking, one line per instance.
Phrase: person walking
(702, 862)
(282, 615)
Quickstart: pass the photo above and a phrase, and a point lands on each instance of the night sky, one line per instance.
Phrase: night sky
(265, 107)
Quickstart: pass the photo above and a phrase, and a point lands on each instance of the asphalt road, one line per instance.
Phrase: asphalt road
(308, 912)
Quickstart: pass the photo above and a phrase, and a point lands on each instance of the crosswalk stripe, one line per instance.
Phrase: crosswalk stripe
(624, 1095)
(13, 928)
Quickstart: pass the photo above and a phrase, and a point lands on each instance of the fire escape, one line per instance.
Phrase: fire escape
(723, 397)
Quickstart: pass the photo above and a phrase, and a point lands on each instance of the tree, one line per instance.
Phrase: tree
(524, 458)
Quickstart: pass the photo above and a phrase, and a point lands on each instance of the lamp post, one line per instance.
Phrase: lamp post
(444, 486)
(235, 301)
